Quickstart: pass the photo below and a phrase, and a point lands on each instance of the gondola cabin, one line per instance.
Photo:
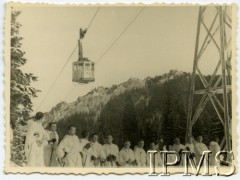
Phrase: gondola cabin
(83, 69)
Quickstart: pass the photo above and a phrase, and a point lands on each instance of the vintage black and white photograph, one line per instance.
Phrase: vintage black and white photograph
(99, 86)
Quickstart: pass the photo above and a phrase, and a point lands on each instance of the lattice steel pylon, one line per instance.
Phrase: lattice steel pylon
(218, 33)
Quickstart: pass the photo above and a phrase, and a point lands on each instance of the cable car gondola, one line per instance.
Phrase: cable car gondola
(83, 68)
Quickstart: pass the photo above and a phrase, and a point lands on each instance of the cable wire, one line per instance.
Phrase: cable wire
(121, 33)
(93, 18)
(55, 80)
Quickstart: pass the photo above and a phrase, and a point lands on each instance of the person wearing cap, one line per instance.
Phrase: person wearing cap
(36, 139)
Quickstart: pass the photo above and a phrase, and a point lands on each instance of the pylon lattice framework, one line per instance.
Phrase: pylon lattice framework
(219, 28)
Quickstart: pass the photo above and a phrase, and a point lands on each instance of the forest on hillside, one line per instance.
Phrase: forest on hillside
(154, 111)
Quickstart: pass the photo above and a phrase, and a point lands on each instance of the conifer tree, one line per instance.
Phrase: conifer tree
(21, 92)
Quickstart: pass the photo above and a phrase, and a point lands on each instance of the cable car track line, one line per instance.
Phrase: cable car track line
(93, 18)
(118, 37)
(54, 82)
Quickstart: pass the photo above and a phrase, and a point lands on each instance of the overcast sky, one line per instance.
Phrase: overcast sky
(161, 39)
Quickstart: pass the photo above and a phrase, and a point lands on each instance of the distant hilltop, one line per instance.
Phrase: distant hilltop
(98, 97)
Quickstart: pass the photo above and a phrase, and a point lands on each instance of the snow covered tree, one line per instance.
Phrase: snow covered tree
(21, 92)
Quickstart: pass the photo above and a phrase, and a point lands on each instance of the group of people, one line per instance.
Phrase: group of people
(43, 149)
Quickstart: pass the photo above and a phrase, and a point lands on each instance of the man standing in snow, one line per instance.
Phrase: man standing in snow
(178, 148)
(157, 161)
(36, 139)
(126, 156)
(140, 154)
(68, 151)
(111, 152)
(95, 153)
(50, 158)
(190, 147)
(214, 148)
(199, 147)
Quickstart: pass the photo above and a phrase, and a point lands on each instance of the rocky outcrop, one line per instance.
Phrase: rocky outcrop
(94, 101)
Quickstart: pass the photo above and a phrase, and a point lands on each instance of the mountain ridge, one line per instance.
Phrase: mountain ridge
(98, 97)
